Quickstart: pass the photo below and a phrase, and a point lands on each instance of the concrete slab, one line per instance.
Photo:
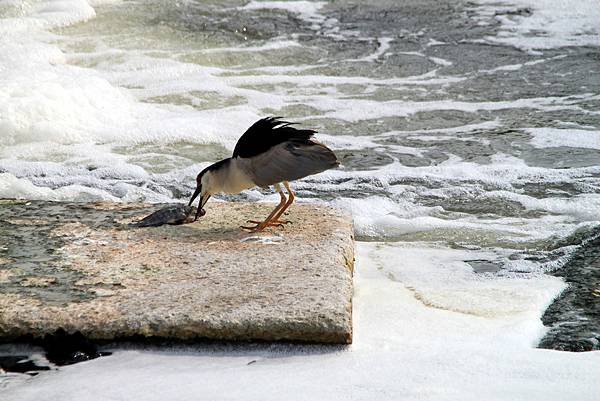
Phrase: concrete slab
(78, 267)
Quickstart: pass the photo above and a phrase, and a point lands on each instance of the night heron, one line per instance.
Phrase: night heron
(271, 152)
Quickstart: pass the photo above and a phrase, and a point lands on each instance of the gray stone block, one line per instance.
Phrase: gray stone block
(80, 268)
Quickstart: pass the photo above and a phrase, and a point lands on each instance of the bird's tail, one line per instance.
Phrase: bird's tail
(313, 157)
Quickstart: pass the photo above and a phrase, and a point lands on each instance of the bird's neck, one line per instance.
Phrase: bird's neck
(227, 176)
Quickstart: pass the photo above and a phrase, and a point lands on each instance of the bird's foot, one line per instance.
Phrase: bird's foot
(278, 223)
(261, 225)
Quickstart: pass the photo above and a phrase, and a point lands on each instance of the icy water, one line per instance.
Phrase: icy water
(469, 134)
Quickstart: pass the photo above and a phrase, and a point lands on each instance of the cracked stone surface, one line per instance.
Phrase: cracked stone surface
(79, 267)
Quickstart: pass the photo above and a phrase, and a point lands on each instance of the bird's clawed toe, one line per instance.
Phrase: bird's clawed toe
(278, 223)
(261, 225)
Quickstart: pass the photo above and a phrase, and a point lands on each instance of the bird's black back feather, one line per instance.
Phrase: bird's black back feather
(266, 133)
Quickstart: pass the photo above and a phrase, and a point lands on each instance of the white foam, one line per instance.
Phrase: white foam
(583, 208)
(451, 284)
(418, 54)
(402, 217)
(434, 42)
(13, 187)
(553, 137)
(517, 67)
(66, 104)
(551, 24)
(302, 7)
(469, 128)
(45, 100)
(440, 61)
(53, 14)
(348, 141)
(306, 10)
(311, 80)
(363, 109)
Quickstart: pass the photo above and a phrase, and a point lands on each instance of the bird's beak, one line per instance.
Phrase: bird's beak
(196, 193)
(203, 199)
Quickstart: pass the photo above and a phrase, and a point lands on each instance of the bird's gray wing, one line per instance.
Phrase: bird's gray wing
(290, 161)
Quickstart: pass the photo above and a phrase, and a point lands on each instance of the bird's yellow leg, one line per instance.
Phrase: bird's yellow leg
(275, 220)
(269, 221)
(289, 202)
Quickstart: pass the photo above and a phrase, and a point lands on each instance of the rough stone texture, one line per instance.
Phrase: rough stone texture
(78, 267)
(573, 318)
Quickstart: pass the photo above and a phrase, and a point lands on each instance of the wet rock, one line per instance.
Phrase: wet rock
(81, 269)
(574, 317)
(38, 281)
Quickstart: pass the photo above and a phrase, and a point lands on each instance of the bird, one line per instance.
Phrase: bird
(270, 153)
